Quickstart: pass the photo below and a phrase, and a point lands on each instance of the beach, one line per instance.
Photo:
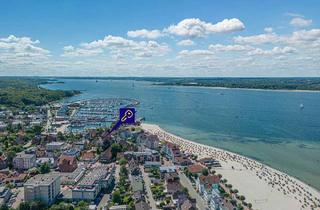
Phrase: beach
(265, 187)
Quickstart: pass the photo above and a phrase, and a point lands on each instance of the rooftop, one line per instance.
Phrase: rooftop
(43, 179)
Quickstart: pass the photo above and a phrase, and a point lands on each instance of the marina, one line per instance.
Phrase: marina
(93, 113)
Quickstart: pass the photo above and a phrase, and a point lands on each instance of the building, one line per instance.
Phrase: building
(74, 152)
(24, 161)
(67, 163)
(92, 183)
(88, 156)
(120, 207)
(215, 202)
(205, 185)
(52, 146)
(210, 162)
(71, 178)
(42, 187)
(148, 140)
(141, 157)
(195, 169)
(171, 151)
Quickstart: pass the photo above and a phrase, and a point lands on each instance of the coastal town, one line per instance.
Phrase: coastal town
(62, 156)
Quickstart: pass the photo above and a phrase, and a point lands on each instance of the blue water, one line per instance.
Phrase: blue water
(265, 125)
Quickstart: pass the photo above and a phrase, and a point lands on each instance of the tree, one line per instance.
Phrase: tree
(4, 207)
(116, 197)
(115, 148)
(185, 190)
(123, 161)
(205, 172)
(44, 168)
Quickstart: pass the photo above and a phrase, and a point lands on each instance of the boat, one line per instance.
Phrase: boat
(301, 106)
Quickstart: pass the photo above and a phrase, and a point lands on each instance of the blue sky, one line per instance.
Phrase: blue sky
(160, 38)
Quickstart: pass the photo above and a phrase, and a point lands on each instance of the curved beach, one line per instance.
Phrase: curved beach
(265, 187)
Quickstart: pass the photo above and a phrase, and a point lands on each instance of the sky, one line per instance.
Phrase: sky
(199, 38)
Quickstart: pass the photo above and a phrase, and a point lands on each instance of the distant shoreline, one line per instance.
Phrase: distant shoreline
(253, 89)
(296, 84)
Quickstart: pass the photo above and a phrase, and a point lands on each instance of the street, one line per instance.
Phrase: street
(186, 183)
(147, 183)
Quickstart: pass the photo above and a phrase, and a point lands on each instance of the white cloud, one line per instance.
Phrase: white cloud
(300, 22)
(273, 51)
(186, 42)
(70, 51)
(194, 27)
(220, 47)
(186, 53)
(120, 45)
(268, 29)
(258, 39)
(143, 33)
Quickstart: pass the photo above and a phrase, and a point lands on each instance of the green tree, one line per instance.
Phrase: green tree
(44, 168)
(116, 197)
(4, 207)
(123, 161)
(115, 148)
(205, 172)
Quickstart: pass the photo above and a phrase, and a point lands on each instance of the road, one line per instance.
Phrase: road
(193, 193)
(104, 201)
(147, 183)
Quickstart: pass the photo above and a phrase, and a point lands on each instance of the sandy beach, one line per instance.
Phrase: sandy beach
(265, 187)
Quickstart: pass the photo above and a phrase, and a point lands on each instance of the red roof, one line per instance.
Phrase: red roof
(209, 180)
(196, 168)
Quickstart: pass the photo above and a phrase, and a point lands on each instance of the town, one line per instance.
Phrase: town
(46, 167)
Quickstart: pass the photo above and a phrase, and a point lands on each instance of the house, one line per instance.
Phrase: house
(168, 169)
(52, 163)
(3, 162)
(171, 151)
(188, 204)
(172, 183)
(106, 156)
(88, 156)
(210, 162)
(141, 157)
(74, 152)
(42, 187)
(182, 161)
(24, 161)
(195, 168)
(52, 146)
(67, 163)
(205, 185)
(148, 140)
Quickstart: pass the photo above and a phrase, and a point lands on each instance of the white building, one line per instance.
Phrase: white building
(54, 146)
(24, 161)
(91, 185)
(42, 187)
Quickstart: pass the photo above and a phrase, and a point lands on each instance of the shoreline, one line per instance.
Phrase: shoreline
(262, 185)
(253, 89)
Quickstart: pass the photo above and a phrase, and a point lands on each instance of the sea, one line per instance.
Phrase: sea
(278, 128)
